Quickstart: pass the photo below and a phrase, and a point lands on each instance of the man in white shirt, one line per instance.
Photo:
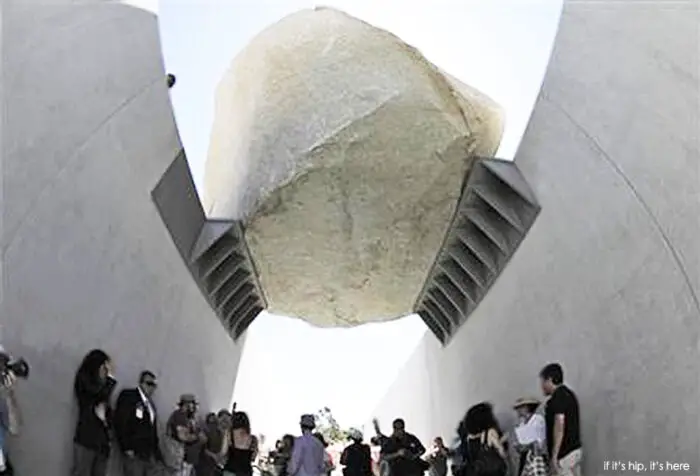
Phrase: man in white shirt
(530, 436)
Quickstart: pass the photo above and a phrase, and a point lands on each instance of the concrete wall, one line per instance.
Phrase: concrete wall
(86, 260)
(607, 280)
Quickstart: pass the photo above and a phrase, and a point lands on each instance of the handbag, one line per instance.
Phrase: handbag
(535, 465)
(487, 462)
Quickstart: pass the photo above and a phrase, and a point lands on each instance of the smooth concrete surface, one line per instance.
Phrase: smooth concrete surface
(87, 261)
(607, 280)
(343, 151)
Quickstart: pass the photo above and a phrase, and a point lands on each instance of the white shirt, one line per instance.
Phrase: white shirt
(532, 431)
(147, 404)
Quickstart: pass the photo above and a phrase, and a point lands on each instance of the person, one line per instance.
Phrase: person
(480, 443)
(136, 427)
(562, 420)
(216, 448)
(437, 457)
(328, 463)
(183, 437)
(530, 438)
(402, 450)
(282, 455)
(10, 418)
(263, 450)
(375, 451)
(308, 454)
(93, 387)
(356, 457)
(243, 449)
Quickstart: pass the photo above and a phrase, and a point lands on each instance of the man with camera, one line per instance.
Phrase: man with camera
(10, 370)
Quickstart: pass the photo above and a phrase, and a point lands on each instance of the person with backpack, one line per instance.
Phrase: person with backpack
(482, 452)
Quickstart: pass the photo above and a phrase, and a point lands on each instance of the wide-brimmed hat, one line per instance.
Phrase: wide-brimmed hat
(187, 398)
(526, 401)
(308, 421)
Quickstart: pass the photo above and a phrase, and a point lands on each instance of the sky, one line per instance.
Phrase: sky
(500, 47)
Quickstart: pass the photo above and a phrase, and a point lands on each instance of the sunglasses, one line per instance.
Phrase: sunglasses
(150, 383)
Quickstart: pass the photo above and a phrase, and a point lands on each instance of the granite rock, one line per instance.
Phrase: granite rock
(343, 150)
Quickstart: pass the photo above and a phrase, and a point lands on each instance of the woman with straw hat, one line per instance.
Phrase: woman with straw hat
(530, 436)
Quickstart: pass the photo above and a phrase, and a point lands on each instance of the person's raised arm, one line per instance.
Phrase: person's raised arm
(377, 430)
(493, 440)
(93, 390)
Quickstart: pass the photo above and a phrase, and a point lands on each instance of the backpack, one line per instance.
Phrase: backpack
(487, 461)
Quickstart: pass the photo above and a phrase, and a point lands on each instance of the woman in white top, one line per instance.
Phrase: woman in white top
(530, 437)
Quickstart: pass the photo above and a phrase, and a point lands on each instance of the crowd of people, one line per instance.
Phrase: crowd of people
(546, 439)
(219, 444)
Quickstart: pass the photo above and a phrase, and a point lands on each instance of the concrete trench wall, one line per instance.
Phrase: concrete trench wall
(607, 280)
(87, 131)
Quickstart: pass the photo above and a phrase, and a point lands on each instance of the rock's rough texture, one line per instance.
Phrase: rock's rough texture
(343, 150)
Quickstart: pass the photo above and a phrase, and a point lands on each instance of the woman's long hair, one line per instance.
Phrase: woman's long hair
(288, 441)
(240, 421)
(89, 370)
(478, 419)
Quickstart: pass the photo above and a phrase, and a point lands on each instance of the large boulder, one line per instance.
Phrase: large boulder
(343, 150)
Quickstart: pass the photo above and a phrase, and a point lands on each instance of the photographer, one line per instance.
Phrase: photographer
(9, 418)
(10, 370)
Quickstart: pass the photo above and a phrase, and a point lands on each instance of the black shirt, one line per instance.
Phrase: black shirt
(91, 432)
(404, 466)
(240, 461)
(563, 402)
(357, 459)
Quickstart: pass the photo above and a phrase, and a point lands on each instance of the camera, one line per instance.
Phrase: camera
(19, 367)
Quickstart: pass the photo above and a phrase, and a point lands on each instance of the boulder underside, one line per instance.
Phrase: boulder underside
(343, 150)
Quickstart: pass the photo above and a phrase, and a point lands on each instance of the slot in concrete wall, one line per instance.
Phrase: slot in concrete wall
(87, 132)
(606, 281)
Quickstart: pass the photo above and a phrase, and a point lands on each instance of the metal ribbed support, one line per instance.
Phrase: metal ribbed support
(225, 271)
(494, 213)
(215, 251)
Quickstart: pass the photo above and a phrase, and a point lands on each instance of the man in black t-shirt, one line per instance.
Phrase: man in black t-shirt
(562, 418)
(401, 450)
